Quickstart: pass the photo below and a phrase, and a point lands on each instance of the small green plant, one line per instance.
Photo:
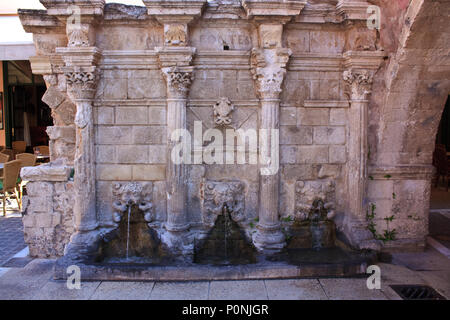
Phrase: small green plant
(287, 219)
(287, 235)
(387, 176)
(371, 177)
(394, 195)
(252, 225)
(388, 234)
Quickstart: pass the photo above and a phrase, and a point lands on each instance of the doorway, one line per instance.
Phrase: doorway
(26, 116)
(439, 219)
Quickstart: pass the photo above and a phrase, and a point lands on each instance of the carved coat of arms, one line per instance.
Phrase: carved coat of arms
(222, 112)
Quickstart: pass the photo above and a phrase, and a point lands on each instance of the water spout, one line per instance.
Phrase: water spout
(225, 214)
(128, 229)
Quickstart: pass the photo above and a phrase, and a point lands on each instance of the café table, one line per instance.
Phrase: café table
(42, 158)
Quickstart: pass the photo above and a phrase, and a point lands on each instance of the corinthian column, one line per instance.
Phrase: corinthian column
(358, 77)
(178, 81)
(81, 58)
(175, 62)
(81, 85)
(175, 66)
(268, 68)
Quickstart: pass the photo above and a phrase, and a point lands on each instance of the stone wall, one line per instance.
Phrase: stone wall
(48, 209)
(310, 69)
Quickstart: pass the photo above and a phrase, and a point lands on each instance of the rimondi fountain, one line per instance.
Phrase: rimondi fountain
(272, 187)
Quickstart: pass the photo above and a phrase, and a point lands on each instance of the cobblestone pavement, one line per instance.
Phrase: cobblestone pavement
(11, 236)
(430, 268)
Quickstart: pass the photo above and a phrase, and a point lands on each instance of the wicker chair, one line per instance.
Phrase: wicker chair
(28, 159)
(8, 182)
(10, 153)
(4, 157)
(43, 150)
(19, 146)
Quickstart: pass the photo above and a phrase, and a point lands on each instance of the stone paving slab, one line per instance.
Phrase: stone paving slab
(112, 290)
(35, 282)
(25, 283)
(18, 262)
(428, 260)
(350, 289)
(180, 291)
(238, 290)
(295, 289)
(57, 290)
(11, 237)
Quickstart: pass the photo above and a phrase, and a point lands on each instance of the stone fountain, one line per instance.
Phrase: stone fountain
(125, 79)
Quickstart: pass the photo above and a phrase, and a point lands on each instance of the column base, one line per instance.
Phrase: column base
(171, 227)
(269, 239)
(83, 245)
(179, 241)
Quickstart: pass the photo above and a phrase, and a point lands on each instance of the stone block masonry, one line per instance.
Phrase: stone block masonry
(122, 83)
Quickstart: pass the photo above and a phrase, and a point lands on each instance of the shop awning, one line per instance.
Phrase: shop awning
(15, 43)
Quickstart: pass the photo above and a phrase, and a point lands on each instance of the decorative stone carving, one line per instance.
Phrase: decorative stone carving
(81, 87)
(270, 35)
(269, 69)
(83, 78)
(359, 83)
(218, 194)
(84, 114)
(306, 192)
(222, 112)
(78, 35)
(132, 193)
(175, 34)
(178, 79)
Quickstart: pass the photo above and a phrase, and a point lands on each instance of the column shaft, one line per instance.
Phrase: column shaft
(269, 184)
(84, 179)
(176, 173)
(357, 168)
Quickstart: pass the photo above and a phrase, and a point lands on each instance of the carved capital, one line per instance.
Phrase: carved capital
(81, 84)
(178, 80)
(269, 69)
(358, 83)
